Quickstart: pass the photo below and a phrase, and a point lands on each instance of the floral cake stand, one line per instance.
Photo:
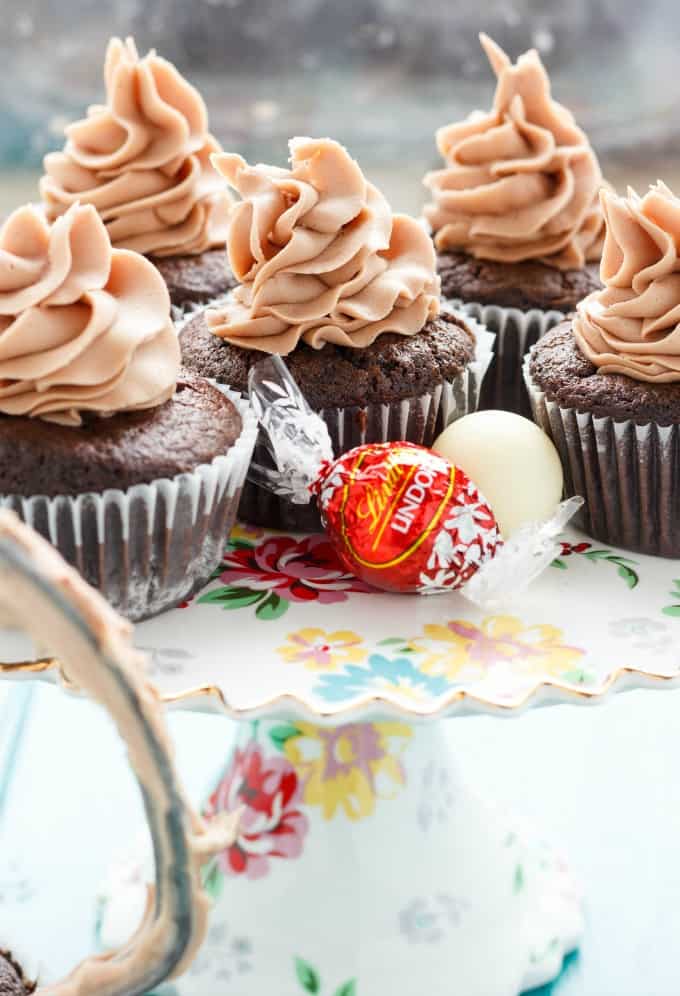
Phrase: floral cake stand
(364, 863)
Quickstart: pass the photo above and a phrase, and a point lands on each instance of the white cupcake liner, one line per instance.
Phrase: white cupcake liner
(419, 419)
(629, 474)
(151, 546)
(516, 332)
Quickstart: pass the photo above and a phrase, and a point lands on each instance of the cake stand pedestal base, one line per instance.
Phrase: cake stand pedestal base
(367, 865)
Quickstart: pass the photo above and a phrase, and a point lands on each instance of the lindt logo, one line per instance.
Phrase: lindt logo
(376, 499)
(414, 496)
(390, 500)
(389, 506)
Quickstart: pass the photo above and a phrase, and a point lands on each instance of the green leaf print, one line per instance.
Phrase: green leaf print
(349, 989)
(307, 976)
(280, 734)
(625, 567)
(518, 883)
(213, 880)
(597, 554)
(674, 610)
(273, 607)
(232, 598)
(628, 575)
(578, 676)
(396, 643)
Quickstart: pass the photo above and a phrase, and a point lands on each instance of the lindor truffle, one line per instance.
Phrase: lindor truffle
(511, 460)
(404, 519)
(400, 516)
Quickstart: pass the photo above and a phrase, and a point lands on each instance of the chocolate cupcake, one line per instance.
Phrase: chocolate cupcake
(606, 385)
(348, 294)
(134, 476)
(516, 217)
(143, 161)
(12, 979)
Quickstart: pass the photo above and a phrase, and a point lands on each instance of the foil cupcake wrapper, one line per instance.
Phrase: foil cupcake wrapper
(516, 332)
(417, 420)
(629, 474)
(153, 545)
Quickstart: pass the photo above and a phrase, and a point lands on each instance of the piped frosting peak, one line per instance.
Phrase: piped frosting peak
(83, 327)
(320, 256)
(142, 160)
(520, 181)
(632, 325)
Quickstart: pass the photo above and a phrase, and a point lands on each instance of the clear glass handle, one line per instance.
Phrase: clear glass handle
(47, 599)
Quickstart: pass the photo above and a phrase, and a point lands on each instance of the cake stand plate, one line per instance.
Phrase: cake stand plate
(365, 863)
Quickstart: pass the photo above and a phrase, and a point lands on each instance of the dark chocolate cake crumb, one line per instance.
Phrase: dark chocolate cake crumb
(391, 368)
(524, 285)
(43, 458)
(195, 279)
(566, 376)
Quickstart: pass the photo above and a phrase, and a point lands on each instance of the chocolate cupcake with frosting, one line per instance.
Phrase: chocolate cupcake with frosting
(142, 160)
(133, 474)
(515, 217)
(606, 385)
(348, 294)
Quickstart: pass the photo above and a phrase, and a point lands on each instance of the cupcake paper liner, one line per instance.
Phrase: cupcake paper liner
(151, 546)
(516, 332)
(418, 420)
(629, 474)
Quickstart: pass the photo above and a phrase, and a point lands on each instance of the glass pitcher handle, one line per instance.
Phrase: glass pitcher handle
(47, 599)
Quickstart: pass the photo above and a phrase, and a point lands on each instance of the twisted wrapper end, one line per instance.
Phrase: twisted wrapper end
(296, 438)
(520, 560)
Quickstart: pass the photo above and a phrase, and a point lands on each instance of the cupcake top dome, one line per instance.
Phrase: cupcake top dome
(142, 160)
(632, 325)
(320, 257)
(83, 327)
(520, 181)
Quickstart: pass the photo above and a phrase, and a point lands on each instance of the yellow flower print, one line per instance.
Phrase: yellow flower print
(347, 768)
(322, 651)
(242, 532)
(462, 651)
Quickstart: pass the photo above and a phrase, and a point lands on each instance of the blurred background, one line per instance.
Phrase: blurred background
(379, 75)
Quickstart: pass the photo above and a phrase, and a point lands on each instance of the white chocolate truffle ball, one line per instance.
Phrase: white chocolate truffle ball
(513, 463)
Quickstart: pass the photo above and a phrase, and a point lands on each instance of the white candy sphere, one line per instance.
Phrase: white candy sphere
(513, 463)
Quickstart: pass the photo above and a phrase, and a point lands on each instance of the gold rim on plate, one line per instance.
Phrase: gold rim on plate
(288, 701)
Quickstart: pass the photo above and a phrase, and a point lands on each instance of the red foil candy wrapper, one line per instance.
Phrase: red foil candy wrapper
(404, 519)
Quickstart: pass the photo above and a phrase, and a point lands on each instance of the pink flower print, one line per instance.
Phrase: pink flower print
(272, 825)
(304, 570)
